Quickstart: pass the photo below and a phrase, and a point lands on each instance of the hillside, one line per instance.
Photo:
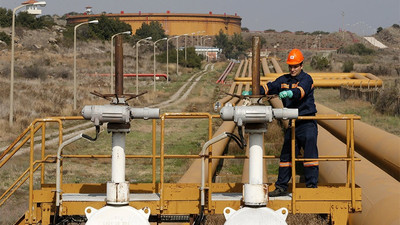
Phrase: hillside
(44, 67)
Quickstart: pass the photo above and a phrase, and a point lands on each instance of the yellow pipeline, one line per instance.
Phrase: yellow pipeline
(378, 146)
(380, 192)
(328, 79)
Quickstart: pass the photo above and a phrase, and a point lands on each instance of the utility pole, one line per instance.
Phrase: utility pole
(343, 25)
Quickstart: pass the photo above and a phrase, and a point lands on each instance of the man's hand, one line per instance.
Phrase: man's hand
(247, 93)
(285, 94)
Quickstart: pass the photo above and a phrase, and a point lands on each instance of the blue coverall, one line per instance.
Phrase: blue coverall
(306, 130)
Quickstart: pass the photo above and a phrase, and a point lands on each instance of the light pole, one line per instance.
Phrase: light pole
(177, 54)
(198, 34)
(137, 63)
(194, 33)
(154, 62)
(94, 22)
(111, 59)
(185, 46)
(168, 56)
(30, 11)
(204, 43)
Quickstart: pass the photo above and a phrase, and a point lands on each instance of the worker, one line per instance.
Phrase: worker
(296, 90)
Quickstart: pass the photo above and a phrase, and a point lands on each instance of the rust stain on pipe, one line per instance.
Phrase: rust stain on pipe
(256, 66)
(119, 66)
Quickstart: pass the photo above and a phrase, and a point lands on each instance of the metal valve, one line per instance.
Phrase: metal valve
(119, 114)
(255, 114)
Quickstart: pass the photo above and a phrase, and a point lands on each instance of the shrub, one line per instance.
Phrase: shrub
(34, 72)
(5, 37)
(388, 101)
(32, 22)
(320, 63)
(356, 49)
(318, 32)
(348, 66)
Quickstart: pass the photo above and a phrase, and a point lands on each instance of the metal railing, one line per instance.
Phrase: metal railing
(40, 124)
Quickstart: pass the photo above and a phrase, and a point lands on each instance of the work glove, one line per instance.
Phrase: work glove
(285, 94)
(247, 93)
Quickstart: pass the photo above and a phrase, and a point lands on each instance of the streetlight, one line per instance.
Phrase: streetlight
(137, 63)
(31, 9)
(194, 33)
(177, 54)
(204, 43)
(111, 59)
(198, 34)
(185, 45)
(94, 22)
(154, 63)
(168, 56)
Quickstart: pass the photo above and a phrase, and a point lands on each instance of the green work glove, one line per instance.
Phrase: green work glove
(285, 94)
(247, 92)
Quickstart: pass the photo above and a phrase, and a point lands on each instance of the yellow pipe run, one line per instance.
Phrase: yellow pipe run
(327, 83)
(378, 146)
(328, 79)
(380, 191)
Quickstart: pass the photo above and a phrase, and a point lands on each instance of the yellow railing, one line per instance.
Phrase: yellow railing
(29, 135)
(349, 157)
(38, 124)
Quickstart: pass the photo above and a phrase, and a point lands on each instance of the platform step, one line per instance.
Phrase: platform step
(226, 196)
(101, 197)
(238, 197)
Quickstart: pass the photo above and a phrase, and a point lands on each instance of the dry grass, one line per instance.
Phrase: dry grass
(331, 99)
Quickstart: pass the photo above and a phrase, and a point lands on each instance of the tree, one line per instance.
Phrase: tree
(153, 30)
(221, 40)
(107, 27)
(5, 17)
(239, 45)
(193, 59)
(379, 30)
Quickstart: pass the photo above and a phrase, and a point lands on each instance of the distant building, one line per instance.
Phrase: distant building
(174, 23)
(211, 53)
(88, 10)
(32, 9)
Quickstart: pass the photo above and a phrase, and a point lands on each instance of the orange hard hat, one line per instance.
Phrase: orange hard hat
(295, 57)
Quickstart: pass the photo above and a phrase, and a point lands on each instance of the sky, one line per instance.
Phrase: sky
(360, 16)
